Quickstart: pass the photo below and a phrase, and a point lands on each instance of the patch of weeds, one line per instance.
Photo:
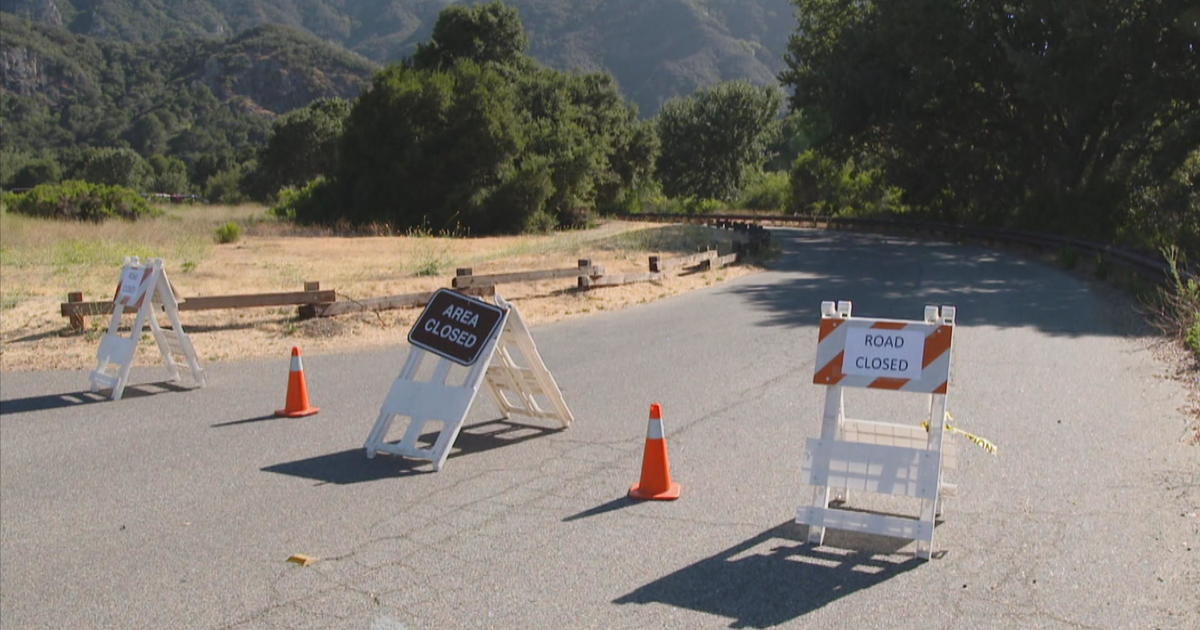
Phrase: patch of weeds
(191, 247)
(322, 327)
(10, 299)
(669, 238)
(93, 332)
(429, 267)
(1176, 307)
(430, 260)
(289, 329)
(89, 252)
(188, 266)
(228, 233)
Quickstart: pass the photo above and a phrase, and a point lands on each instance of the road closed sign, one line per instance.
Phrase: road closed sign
(455, 326)
(130, 287)
(884, 353)
(912, 356)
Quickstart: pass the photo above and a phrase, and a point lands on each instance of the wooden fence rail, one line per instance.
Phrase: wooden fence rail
(77, 310)
(464, 278)
(385, 303)
(316, 302)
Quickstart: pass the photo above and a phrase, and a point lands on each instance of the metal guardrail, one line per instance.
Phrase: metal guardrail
(1155, 268)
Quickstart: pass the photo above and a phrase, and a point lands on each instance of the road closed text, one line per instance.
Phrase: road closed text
(882, 352)
(881, 363)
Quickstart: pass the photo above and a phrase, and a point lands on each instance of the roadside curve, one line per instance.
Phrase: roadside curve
(179, 508)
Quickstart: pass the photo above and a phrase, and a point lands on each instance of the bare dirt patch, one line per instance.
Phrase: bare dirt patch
(36, 277)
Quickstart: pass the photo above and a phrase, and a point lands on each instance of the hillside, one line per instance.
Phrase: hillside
(656, 50)
(199, 98)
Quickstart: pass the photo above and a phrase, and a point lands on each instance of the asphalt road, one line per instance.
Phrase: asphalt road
(178, 508)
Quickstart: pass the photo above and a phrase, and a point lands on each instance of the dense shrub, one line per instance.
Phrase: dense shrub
(115, 167)
(306, 204)
(37, 171)
(1177, 303)
(225, 186)
(82, 201)
(228, 233)
(825, 186)
(766, 191)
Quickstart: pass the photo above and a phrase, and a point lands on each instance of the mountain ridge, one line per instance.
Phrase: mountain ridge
(655, 50)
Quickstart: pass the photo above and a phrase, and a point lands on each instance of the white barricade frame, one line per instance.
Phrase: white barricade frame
(145, 287)
(510, 364)
(871, 456)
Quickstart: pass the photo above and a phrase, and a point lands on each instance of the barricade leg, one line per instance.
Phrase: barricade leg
(384, 421)
(830, 423)
(931, 507)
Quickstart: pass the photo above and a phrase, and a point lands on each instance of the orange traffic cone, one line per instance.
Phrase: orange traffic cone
(297, 393)
(656, 469)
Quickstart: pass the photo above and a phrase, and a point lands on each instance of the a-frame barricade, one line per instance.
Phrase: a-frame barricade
(143, 286)
(509, 363)
(879, 457)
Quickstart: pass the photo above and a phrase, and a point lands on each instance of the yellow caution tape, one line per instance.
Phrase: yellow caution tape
(982, 443)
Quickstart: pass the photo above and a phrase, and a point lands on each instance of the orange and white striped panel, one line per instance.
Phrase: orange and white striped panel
(907, 356)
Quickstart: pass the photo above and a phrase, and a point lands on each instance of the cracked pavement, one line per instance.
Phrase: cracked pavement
(179, 509)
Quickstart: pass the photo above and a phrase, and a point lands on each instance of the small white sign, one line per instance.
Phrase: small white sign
(131, 280)
(884, 353)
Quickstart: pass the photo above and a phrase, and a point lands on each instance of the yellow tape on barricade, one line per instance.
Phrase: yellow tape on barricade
(982, 443)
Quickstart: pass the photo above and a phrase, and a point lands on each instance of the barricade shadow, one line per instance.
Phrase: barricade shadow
(353, 466)
(490, 434)
(776, 576)
(86, 397)
(350, 467)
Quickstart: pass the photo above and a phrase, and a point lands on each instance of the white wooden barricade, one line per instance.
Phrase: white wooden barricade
(528, 390)
(144, 286)
(879, 457)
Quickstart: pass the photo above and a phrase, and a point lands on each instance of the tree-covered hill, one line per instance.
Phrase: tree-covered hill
(656, 50)
(207, 101)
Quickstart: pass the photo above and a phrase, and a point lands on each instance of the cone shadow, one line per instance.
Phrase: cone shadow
(611, 506)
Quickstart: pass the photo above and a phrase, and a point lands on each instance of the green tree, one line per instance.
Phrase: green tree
(713, 139)
(45, 170)
(1048, 115)
(115, 167)
(424, 148)
(148, 135)
(582, 130)
(486, 33)
(169, 175)
(467, 138)
(303, 145)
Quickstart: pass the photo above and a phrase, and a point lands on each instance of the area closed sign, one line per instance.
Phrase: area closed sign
(455, 326)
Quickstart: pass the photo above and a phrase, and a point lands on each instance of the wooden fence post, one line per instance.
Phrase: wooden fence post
(308, 311)
(76, 320)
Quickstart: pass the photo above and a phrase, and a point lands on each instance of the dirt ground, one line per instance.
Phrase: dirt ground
(35, 336)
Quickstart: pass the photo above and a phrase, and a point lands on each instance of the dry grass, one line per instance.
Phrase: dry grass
(41, 261)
